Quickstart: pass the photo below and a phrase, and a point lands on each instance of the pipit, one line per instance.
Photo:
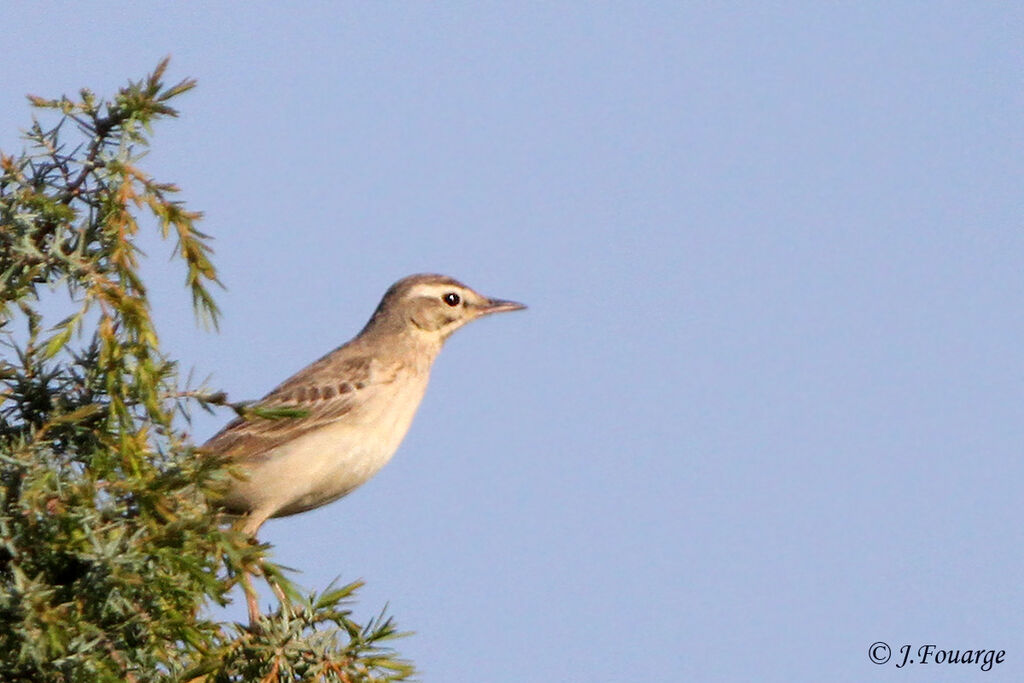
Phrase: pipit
(356, 405)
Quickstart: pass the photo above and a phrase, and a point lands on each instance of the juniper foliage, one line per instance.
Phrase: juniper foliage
(110, 554)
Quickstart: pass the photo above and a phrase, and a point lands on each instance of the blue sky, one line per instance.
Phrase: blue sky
(767, 405)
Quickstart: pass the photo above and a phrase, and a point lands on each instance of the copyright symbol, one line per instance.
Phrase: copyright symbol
(879, 652)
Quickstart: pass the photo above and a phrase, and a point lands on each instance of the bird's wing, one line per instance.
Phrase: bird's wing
(326, 392)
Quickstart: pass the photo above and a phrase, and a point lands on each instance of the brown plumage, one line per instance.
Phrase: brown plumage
(358, 402)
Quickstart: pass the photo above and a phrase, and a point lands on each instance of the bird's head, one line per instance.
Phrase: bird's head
(433, 306)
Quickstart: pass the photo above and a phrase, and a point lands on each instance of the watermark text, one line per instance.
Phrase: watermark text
(983, 658)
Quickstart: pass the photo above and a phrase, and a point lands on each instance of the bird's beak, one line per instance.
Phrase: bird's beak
(500, 306)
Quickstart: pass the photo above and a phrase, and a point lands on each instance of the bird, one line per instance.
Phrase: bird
(352, 407)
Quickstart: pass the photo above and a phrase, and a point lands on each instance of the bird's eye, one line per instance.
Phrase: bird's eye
(451, 298)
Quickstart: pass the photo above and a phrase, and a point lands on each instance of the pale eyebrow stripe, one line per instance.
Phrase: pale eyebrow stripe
(432, 289)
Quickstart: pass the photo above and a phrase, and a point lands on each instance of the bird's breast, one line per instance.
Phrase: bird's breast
(325, 464)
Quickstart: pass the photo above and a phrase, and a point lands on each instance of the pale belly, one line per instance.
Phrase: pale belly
(324, 465)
